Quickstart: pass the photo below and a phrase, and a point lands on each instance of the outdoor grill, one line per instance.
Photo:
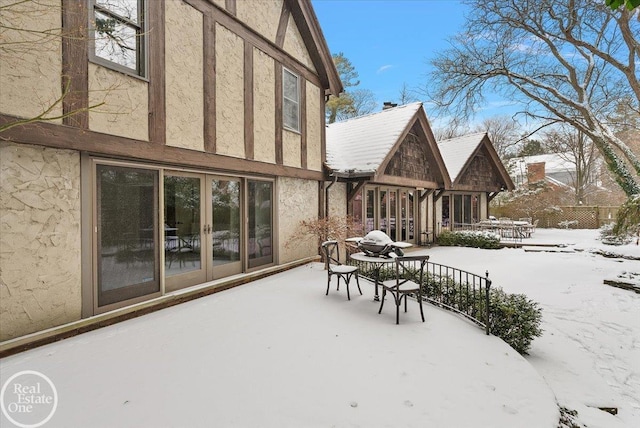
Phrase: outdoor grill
(378, 244)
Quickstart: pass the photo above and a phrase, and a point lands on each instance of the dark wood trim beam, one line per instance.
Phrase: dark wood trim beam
(278, 114)
(353, 192)
(323, 127)
(75, 63)
(424, 194)
(309, 27)
(157, 100)
(209, 81)
(227, 20)
(72, 138)
(282, 25)
(248, 101)
(303, 123)
(490, 196)
(437, 195)
(405, 182)
(231, 7)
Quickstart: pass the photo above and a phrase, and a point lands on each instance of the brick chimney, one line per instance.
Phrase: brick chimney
(388, 104)
(535, 172)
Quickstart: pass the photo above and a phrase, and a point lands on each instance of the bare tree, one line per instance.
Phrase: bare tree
(28, 35)
(407, 95)
(562, 60)
(578, 151)
(454, 127)
(504, 133)
(361, 101)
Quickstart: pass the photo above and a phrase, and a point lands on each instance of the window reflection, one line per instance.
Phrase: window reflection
(226, 221)
(127, 233)
(119, 33)
(182, 224)
(259, 205)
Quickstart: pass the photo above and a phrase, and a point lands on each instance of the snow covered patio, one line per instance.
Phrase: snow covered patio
(279, 353)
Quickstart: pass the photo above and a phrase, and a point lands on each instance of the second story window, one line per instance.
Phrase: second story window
(291, 101)
(118, 34)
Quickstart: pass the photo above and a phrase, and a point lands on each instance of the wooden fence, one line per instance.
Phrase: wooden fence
(579, 217)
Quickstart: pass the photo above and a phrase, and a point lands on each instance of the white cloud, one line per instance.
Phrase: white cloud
(384, 68)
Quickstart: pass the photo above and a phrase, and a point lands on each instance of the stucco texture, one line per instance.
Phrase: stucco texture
(184, 76)
(291, 150)
(39, 239)
(229, 93)
(30, 61)
(261, 15)
(294, 45)
(314, 128)
(264, 107)
(297, 201)
(119, 103)
(337, 200)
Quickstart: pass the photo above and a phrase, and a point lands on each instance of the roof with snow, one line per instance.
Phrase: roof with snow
(459, 152)
(361, 144)
(554, 162)
(456, 152)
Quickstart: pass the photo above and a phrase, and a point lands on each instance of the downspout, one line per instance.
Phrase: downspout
(326, 196)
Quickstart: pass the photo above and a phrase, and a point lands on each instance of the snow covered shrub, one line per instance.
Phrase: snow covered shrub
(566, 224)
(608, 237)
(515, 319)
(469, 238)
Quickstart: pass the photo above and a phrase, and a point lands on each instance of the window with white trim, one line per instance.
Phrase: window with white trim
(118, 38)
(290, 101)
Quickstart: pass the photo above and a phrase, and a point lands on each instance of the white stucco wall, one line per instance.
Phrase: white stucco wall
(39, 239)
(314, 127)
(229, 93)
(337, 199)
(294, 45)
(31, 62)
(291, 148)
(120, 103)
(297, 201)
(184, 76)
(264, 121)
(261, 15)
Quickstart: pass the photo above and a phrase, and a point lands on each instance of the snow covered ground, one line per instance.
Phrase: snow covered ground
(279, 353)
(589, 353)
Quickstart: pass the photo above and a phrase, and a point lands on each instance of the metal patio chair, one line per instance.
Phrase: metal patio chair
(334, 267)
(408, 280)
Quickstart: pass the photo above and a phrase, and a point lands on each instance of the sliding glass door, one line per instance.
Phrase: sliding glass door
(184, 227)
(260, 222)
(184, 262)
(225, 231)
(127, 256)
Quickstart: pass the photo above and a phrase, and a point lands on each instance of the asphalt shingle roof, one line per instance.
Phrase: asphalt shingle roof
(457, 151)
(361, 144)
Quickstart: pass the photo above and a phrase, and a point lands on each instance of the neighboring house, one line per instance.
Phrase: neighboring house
(556, 168)
(391, 175)
(477, 176)
(558, 171)
(189, 144)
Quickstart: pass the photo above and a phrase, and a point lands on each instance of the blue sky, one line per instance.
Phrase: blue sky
(391, 42)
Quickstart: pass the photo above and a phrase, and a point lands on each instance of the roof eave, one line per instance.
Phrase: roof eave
(304, 15)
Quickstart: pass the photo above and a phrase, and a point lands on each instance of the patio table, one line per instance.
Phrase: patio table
(376, 263)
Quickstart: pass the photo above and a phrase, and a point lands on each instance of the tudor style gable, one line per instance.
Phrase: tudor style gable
(481, 173)
(413, 160)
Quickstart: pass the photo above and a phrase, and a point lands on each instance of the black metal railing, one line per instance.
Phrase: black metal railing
(450, 288)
